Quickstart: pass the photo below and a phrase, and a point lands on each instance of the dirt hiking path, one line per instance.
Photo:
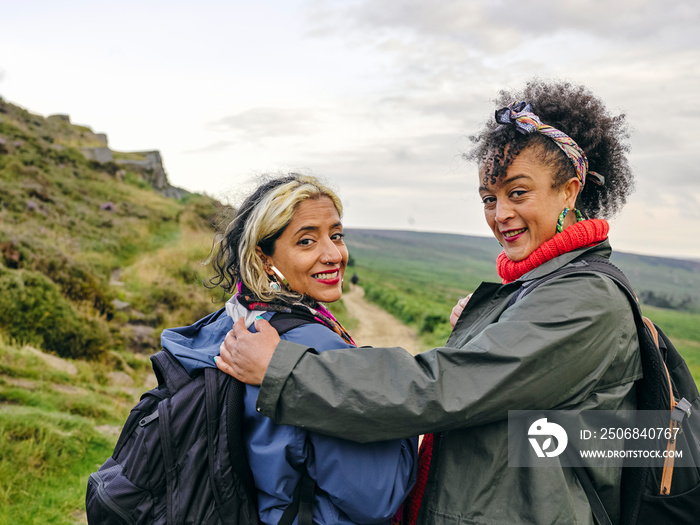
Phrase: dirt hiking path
(377, 327)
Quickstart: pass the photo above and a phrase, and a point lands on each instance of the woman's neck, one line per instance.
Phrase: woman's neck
(580, 235)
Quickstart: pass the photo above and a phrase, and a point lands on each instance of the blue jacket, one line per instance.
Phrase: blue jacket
(356, 483)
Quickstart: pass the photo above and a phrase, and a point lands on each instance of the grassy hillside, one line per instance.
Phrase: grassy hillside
(418, 277)
(93, 265)
(71, 231)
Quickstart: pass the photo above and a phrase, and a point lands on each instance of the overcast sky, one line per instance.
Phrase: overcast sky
(377, 96)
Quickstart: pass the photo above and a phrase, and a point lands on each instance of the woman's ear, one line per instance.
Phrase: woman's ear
(264, 258)
(572, 187)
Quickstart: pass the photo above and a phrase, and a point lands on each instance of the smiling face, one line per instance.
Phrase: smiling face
(311, 253)
(522, 207)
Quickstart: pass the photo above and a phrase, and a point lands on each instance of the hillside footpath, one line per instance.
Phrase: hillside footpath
(376, 327)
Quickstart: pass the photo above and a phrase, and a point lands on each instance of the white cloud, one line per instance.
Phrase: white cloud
(257, 123)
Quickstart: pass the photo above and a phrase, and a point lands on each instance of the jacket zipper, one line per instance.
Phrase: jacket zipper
(107, 499)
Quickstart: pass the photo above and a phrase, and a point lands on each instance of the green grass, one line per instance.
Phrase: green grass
(46, 457)
(59, 253)
(51, 437)
(59, 247)
(683, 328)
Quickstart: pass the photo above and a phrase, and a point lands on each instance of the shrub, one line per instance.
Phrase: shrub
(135, 180)
(33, 311)
(78, 280)
(431, 322)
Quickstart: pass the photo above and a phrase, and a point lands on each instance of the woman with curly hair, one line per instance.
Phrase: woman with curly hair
(552, 167)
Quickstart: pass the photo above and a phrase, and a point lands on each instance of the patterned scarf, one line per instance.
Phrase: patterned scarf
(317, 313)
(520, 115)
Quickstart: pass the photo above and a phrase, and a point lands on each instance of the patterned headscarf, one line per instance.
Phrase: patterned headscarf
(520, 115)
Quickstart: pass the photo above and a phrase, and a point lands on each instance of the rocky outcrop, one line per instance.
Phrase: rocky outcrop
(60, 116)
(149, 166)
(98, 154)
(152, 170)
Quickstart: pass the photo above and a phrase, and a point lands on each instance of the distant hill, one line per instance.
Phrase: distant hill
(462, 261)
(662, 281)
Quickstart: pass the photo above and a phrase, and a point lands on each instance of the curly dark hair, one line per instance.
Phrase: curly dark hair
(574, 110)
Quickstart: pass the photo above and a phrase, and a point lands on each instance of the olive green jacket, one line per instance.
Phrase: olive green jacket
(570, 344)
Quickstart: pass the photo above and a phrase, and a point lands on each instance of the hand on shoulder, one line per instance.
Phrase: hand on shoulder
(458, 309)
(246, 355)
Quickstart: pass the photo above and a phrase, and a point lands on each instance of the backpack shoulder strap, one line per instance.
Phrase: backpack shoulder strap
(285, 321)
(303, 500)
(583, 264)
(304, 494)
(597, 507)
(169, 372)
(302, 503)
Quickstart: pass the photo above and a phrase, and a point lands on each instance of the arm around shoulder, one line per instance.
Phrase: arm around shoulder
(549, 350)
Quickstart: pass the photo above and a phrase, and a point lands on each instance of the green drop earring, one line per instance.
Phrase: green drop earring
(562, 216)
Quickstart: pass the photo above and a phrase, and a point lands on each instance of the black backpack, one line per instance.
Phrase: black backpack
(180, 458)
(656, 494)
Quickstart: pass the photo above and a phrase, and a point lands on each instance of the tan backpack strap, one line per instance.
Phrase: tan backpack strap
(655, 335)
(652, 329)
(670, 459)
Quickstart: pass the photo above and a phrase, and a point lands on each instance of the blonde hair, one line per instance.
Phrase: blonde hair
(259, 221)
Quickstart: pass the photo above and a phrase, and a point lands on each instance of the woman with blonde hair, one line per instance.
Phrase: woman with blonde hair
(283, 256)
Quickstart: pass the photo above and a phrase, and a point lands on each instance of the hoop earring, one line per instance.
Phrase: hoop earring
(280, 277)
(562, 216)
(560, 222)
